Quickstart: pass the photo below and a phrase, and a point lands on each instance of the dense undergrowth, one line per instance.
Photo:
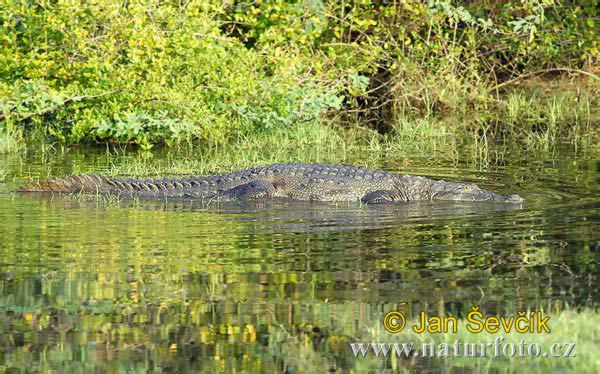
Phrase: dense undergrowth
(212, 72)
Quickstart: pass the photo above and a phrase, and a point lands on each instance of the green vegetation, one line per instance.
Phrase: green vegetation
(10, 141)
(210, 86)
(213, 72)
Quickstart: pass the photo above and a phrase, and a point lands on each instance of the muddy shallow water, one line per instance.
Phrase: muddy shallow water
(92, 284)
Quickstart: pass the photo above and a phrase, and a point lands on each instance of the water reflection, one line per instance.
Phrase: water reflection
(175, 286)
(287, 215)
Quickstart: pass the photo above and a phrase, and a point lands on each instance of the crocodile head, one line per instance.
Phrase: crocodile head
(441, 190)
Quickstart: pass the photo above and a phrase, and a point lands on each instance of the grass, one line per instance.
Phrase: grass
(305, 142)
(528, 120)
(547, 120)
(536, 113)
(308, 142)
(11, 142)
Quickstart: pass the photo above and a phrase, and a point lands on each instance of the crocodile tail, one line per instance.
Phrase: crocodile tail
(71, 183)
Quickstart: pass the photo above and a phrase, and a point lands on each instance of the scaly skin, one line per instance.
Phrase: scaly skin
(320, 182)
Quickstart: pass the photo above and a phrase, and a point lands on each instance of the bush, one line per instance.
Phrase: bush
(424, 59)
(145, 72)
(210, 71)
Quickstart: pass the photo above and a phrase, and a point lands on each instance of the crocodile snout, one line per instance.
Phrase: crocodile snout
(514, 199)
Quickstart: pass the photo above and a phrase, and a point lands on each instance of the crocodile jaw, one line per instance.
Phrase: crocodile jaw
(469, 192)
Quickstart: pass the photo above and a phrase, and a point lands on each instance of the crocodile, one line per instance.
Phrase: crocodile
(298, 181)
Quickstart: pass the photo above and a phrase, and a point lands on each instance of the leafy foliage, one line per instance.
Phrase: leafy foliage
(169, 72)
(425, 59)
(146, 72)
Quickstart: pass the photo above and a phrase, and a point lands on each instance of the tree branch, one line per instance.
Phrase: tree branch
(53, 108)
(543, 71)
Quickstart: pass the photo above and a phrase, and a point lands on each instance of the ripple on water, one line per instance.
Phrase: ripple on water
(155, 274)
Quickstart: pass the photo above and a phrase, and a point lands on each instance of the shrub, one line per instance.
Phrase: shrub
(145, 72)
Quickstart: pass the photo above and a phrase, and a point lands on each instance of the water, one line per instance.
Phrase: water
(100, 285)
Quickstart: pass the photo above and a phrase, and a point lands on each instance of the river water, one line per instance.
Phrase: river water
(100, 285)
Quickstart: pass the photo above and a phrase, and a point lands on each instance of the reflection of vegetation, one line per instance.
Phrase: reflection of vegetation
(111, 285)
(580, 327)
(169, 284)
(208, 335)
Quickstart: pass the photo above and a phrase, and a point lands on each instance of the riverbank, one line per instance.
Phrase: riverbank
(537, 113)
(212, 73)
